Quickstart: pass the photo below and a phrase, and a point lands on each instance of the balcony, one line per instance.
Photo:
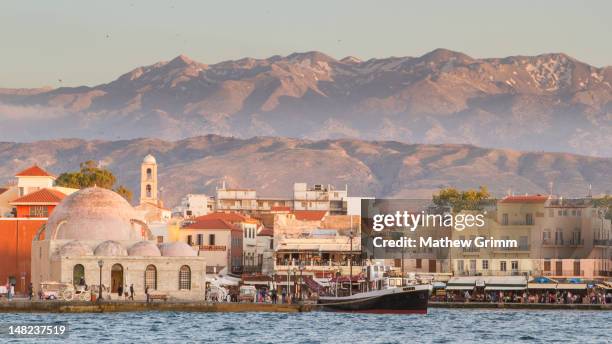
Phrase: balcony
(519, 249)
(602, 242)
(576, 242)
(553, 243)
(211, 247)
(489, 272)
(517, 223)
(564, 273)
(471, 250)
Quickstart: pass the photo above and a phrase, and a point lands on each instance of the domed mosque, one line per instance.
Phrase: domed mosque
(96, 226)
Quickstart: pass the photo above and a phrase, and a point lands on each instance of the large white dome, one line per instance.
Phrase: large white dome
(144, 249)
(93, 214)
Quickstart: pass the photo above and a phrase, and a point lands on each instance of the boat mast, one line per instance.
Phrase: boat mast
(351, 262)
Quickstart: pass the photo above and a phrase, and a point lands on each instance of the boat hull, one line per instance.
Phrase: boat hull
(397, 302)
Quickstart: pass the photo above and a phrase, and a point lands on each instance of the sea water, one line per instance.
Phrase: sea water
(438, 326)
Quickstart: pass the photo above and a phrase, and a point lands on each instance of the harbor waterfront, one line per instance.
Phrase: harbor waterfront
(223, 307)
(438, 326)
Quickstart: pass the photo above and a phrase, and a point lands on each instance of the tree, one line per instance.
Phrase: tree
(461, 200)
(604, 203)
(91, 174)
(124, 192)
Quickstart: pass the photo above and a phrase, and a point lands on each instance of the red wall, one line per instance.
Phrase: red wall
(15, 249)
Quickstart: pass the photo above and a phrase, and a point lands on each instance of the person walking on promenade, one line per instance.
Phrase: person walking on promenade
(147, 293)
(30, 291)
(9, 295)
(273, 295)
(284, 296)
(120, 291)
(132, 292)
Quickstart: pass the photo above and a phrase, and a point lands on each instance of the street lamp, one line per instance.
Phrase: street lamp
(100, 264)
(351, 262)
(294, 285)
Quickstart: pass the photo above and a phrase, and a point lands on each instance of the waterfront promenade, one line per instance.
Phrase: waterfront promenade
(138, 306)
(504, 305)
(24, 306)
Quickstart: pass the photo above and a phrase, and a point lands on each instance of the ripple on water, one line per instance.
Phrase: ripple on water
(439, 326)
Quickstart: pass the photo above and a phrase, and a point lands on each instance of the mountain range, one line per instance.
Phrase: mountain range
(271, 165)
(550, 102)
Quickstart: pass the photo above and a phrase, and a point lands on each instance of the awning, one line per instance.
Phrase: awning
(603, 286)
(504, 287)
(438, 285)
(542, 286)
(571, 286)
(459, 287)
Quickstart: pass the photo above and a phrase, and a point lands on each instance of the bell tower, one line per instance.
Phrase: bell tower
(148, 180)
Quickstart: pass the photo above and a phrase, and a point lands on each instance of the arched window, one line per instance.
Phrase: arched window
(151, 277)
(148, 190)
(185, 278)
(149, 173)
(78, 275)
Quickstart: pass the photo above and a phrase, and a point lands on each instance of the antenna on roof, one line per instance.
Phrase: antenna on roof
(550, 187)
(590, 193)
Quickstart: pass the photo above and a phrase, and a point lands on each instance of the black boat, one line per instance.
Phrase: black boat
(402, 300)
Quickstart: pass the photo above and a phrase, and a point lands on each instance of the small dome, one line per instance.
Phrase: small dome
(75, 249)
(177, 249)
(111, 249)
(93, 214)
(149, 159)
(144, 249)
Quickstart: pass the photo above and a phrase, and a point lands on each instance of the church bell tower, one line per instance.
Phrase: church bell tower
(148, 180)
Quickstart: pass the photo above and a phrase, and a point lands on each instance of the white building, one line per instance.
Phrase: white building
(265, 250)
(194, 205)
(94, 226)
(319, 197)
(246, 201)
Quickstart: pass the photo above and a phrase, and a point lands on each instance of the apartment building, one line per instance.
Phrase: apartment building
(320, 197)
(194, 205)
(556, 237)
(246, 201)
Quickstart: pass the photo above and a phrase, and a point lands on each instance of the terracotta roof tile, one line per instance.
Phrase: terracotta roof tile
(309, 215)
(41, 196)
(266, 232)
(210, 224)
(33, 171)
(229, 217)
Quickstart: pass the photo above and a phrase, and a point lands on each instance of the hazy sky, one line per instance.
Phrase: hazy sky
(91, 42)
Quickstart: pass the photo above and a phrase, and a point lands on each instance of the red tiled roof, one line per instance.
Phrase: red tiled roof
(525, 199)
(309, 215)
(229, 217)
(210, 224)
(45, 196)
(266, 232)
(281, 208)
(33, 171)
(2, 190)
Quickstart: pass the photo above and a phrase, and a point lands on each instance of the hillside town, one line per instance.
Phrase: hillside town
(237, 245)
